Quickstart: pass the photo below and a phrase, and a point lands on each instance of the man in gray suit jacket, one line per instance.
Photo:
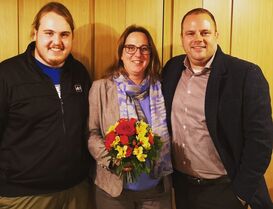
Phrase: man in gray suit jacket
(219, 114)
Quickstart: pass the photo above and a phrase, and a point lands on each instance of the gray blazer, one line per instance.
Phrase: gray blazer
(104, 112)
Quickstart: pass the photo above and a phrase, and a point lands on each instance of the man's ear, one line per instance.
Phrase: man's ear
(217, 34)
(34, 36)
(181, 40)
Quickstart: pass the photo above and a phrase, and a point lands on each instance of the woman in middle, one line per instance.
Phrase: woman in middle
(131, 90)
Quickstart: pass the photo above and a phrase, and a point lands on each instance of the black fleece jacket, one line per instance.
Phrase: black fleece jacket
(43, 139)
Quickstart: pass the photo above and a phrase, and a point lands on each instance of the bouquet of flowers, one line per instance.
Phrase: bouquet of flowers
(132, 148)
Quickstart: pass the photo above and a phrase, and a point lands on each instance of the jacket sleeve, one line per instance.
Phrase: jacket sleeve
(3, 105)
(257, 133)
(95, 142)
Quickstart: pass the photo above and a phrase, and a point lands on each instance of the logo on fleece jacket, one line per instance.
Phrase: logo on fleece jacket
(78, 88)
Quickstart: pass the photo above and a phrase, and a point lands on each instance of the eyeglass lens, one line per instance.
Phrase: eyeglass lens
(131, 49)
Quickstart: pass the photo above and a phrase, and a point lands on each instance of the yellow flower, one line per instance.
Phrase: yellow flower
(141, 128)
(146, 145)
(144, 142)
(116, 141)
(139, 154)
(121, 151)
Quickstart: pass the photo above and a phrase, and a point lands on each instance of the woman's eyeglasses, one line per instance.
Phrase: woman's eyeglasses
(131, 49)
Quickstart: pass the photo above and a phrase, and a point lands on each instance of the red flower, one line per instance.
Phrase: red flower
(109, 138)
(133, 121)
(151, 139)
(124, 140)
(129, 151)
(125, 127)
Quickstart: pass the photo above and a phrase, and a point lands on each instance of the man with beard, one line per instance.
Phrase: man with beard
(44, 160)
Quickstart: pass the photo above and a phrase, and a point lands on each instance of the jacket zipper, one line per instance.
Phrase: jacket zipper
(62, 108)
(60, 97)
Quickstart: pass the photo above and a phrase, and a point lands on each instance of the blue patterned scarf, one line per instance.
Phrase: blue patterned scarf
(127, 109)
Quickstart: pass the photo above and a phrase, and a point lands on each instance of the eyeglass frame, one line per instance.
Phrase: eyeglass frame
(136, 48)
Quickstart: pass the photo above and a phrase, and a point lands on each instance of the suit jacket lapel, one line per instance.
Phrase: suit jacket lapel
(213, 92)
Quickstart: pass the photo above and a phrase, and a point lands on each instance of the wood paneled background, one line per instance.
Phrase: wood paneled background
(245, 28)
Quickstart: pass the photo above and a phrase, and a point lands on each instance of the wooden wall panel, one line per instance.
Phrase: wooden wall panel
(167, 31)
(222, 11)
(80, 12)
(27, 11)
(252, 40)
(252, 34)
(180, 8)
(92, 37)
(82, 43)
(150, 16)
(9, 29)
(109, 22)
